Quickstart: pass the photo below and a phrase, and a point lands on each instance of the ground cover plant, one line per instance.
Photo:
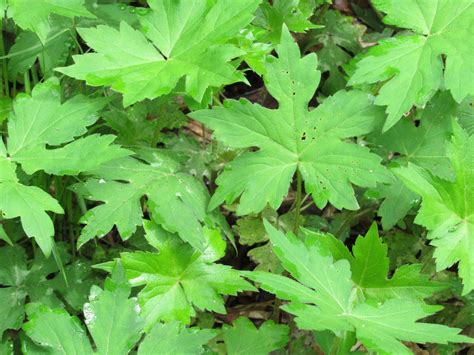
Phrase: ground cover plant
(236, 177)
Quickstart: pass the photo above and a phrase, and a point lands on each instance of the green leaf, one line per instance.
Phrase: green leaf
(38, 121)
(265, 258)
(172, 44)
(327, 242)
(5, 107)
(56, 331)
(382, 328)
(176, 201)
(370, 267)
(295, 14)
(4, 236)
(12, 258)
(31, 204)
(370, 263)
(178, 278)
(250, 230)
(28, 48)
(412, 64)
(31, 128)
(6, 347)
(40, 283)
(11, 308)
(7, 168)
(112, 317)
(398, 200)
(113, 321)
(174, 338)
(332, 283)
(447, 210)
(34, 15)
(83, 154)
(291, 138)
(340, 37)
(324, 298)
(244, 338)
(80, 281)
(423, 145)
(142, 123)
(404, 248)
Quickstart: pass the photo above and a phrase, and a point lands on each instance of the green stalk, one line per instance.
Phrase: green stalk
(217, 99)
(34, 74)
(299, 191)
(70, 223)
(81, 203)
(26, 80)
(4, 62)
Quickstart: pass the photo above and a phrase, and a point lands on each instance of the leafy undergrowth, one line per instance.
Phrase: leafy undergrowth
(236, 177)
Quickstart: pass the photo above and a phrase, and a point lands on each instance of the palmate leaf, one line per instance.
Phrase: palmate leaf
(42, 120)
(412, 65)
(447, 210)
(244, 338)
(370, 266)
(178, 39)
(114, 324)
(36, 124)
(30, 203)
(175, 200)
(56, 331)
(34, 14)
(324, 298)
(291, 138)
(178, 278)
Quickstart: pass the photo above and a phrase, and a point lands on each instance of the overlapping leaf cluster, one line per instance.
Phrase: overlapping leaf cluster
(131, 145)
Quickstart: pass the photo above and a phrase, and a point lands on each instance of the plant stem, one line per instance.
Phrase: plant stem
(34, 74)
(299, 190)
(4, 62)
(27, 82)
(70, 223)
(217, 99)
(81, 203)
